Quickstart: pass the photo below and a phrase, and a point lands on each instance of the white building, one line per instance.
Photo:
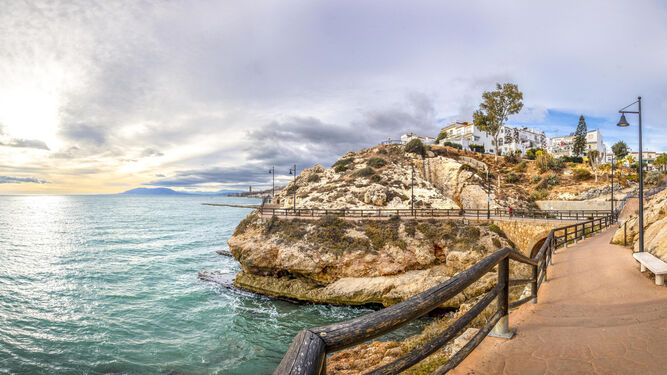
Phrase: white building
(405, 138)
(509, 139)
(563, 145)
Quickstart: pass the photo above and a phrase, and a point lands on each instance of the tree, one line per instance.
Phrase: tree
(579, 145)
(594, 160)
(416, 147)
(495, 108)
(661, 162)
(620, 149)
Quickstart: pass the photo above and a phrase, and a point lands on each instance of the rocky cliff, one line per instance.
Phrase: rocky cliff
(382, 177)
(655, 227)
(331, 260)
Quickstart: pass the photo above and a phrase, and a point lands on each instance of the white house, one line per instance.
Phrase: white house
(509, 139)
(405, 138)
(563, 145)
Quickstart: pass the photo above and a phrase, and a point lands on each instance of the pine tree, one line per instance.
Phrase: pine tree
(579, 145)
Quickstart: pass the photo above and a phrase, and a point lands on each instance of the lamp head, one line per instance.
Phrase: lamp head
(623, 122)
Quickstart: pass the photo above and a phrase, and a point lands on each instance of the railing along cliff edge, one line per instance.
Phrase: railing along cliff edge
(306, 354)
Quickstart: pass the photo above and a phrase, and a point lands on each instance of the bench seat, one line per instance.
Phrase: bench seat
(654, 264)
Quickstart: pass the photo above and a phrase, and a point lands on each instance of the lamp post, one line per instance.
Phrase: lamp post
(488, 195)
(623, 123)
(273, 181)
(612, 187)
(412, 199)
(292, 171)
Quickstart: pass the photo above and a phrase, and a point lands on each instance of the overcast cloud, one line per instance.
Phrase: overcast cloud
(101, 96)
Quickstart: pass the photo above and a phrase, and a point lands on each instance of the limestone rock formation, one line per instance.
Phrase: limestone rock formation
(331, 260)
(655, 227)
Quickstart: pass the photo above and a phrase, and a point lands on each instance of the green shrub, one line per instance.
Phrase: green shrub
(365, 172)
(552, 180)
(476, 148)
(453, 145)
(511, 178)
(376, 162)
(314, 178)
(536, 179)
(581, 174)
(653, 178)
(496, 229)
(343, 161)
(531, 153)
(496, 242)
(340, 168)
(513, 158)
(470, 233)
(543, 162)
(415, 146)
(376, 178)
(538, 195)
(522, 166)
(572, 159)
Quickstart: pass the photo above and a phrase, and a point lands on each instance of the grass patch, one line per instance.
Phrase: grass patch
(365, 172)
(377, 162)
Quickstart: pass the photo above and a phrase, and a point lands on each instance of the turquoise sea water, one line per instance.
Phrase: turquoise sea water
(108, 284)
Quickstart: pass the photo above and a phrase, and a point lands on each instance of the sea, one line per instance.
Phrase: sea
(108, 284)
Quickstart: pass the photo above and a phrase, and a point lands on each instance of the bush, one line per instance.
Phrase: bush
(340, 168)
(314, 178)
(581, 174)
(496, 229)
(522, 167)
(415, 146)
(476, 148)
(538, 195)
(552, 180)
(543, 162)
(376, 178)
(496, 242)
(572, 159)
(453, 145)
(535, 179)
(511, 178)
(365, 172)
(531, 153)
(513, 158)
(377, 162)
(653, 178)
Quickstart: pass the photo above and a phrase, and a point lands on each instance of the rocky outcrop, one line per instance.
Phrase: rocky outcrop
(331, 260)
(382, 177)
(655, 227)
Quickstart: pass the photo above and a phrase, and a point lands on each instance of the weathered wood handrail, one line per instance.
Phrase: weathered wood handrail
(306, 354)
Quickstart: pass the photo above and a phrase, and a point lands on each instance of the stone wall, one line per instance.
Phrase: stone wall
(593, 204)
(525, 234)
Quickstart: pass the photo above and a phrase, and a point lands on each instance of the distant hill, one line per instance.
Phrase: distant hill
(153, 191)
(167, 191)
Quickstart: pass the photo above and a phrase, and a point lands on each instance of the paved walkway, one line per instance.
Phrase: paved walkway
(597, 315)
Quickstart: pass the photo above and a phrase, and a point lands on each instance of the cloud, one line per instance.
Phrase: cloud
(249, 174)
(20, 180)
(151, 152)
(26, 143)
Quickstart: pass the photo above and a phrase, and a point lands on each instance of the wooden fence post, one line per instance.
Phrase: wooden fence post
(502, 329)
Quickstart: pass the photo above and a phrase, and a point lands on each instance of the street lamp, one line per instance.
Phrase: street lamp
(273, 181)
(612, 187)
(412, 200)
(623, 123)
(488, 195)
(292, 171)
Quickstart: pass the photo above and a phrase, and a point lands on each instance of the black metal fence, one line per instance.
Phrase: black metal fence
(438, 212)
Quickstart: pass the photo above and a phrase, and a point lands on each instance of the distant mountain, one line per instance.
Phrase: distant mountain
(153, 191)
(167, 191)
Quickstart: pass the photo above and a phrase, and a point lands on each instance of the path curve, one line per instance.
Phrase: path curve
(597, 315)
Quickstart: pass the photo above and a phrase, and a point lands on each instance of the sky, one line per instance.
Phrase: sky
(105, 96)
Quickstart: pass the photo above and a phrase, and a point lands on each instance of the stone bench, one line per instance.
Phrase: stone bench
(655, 265)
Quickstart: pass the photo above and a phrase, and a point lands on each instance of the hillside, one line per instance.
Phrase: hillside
(444, 178)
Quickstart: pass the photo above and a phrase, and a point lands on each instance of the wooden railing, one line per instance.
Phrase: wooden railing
(306, 354)
(575, 215)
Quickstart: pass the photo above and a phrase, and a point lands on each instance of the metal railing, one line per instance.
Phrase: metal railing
(306, 355)
(437, 212)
